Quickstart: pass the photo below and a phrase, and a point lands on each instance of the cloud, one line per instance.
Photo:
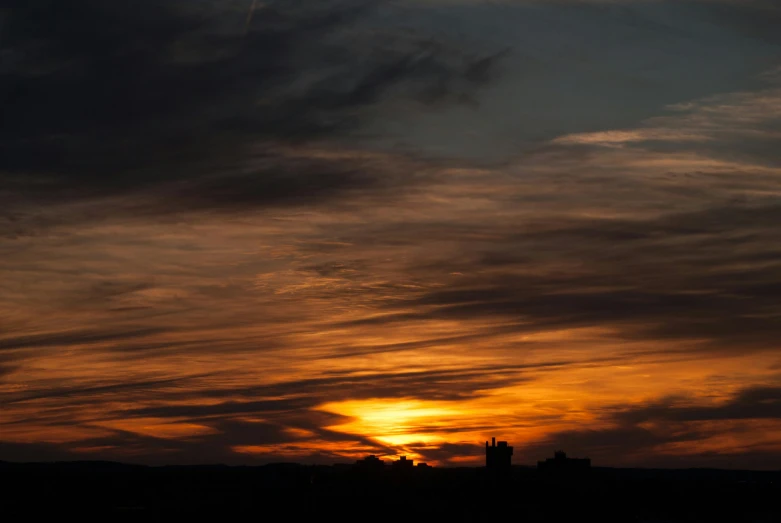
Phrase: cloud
(194, 412)
(90, 393)
(286, 398)
(7, 370)
(60, 339)
(177, 103)
(755, 18)
(732, 310)
(660, 245)
(445, 453)
(736, 127)
(200, 416)
(751, 403)
(29, 452)
(675, 433)
(229, 441)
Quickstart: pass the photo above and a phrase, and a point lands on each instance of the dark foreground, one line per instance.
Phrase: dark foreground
(116, 492)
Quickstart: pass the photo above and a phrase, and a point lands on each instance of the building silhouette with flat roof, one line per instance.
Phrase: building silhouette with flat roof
(498, 456)
(370, 463)
(403, 464)
(560, 464)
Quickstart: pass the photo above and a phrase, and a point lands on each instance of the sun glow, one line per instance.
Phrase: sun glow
(394, 422)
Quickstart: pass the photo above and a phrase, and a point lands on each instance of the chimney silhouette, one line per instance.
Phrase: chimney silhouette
(498, 457)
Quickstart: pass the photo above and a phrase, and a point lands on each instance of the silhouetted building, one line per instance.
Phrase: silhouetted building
(370, 463)
(561, 464)
(498, 456)
(403, 464)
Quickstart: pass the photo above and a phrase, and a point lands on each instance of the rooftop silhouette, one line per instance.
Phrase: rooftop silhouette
(498, 456)
(403, 463)
(561, 464)
(397, 488)
(370, 463)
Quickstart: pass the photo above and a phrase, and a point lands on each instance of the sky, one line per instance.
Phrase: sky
(310, 230)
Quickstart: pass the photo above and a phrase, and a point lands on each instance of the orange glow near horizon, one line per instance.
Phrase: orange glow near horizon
(536, 401)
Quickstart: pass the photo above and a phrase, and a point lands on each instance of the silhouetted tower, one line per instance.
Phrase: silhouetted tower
(403, 464)
(498, 456)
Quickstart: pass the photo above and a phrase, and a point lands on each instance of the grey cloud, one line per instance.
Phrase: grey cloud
(619, 446)
(95, 392)
(445, 452)
(445, 385)
(173, 97)
(238, 433)
(752, 403)
(628, 442)
(7, 370)
(30, 452)
(410, 345)
(756, 19)
(293, 404)
(211, 448)
(81, 337)
(226, 409)
(585, 66)
(709, 275)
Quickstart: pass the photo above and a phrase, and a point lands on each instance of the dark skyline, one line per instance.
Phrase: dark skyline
(313, 230)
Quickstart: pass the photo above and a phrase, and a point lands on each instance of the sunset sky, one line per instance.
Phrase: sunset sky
(314, 230)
